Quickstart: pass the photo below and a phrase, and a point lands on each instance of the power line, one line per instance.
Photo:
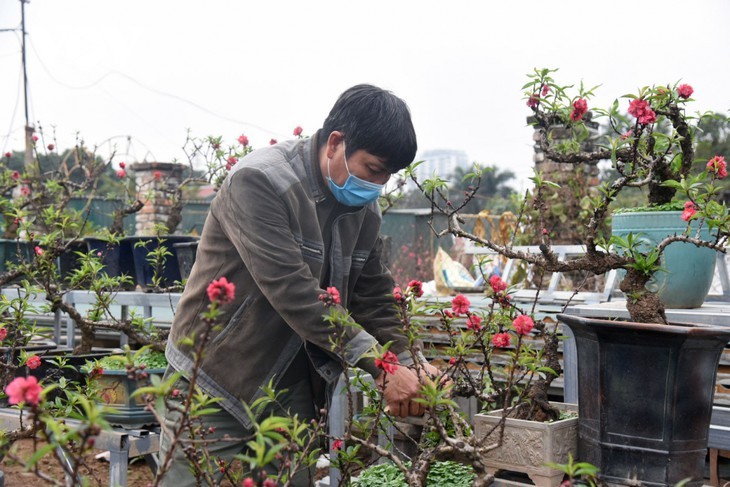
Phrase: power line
(12, 120)
(148, 88)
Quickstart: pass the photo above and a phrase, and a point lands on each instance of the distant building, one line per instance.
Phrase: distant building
(442, 162)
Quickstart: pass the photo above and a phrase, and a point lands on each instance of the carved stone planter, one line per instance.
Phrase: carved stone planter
(528, 445)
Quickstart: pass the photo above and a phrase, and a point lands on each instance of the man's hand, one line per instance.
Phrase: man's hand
(401, 387)
(432, 373)
(398, 389)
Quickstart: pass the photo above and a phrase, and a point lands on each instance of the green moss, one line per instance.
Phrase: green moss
(150, 359)
(673, 206)
(445, 473)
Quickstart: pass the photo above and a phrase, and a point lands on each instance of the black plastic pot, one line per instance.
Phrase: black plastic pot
(68, 261)
(645, 398)
(185, 257)
(13, 252)
(143, 267)
(117, 258)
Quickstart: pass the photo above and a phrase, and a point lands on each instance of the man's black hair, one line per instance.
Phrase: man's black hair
(376, 121)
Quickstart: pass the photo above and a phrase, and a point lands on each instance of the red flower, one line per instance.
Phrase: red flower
(498, 285)
(38, 250)
(689, 211)
(474, 322)
(157, 175)
(642, 111)
(448, 313)
(221, 291)
(16, 175)
(51, 146)
(580, 107)
(523, 324)
(8, 155)
(273, 142)
(121, 173)
(718, 166)
(122, 165)
(3, 333)
(416, 287)
(297, 131)
(332, 291)
(627, 135)
(24, 190)
(685, 91)
(269, 483)
(337, 444)
(23, 389)
(33, 362)
(453, 361)
(398, 294)
(35, 138)
(248, 482)
(533, 101)
(243, 140)
(460, 304)
(388, 362)
(332, 296)
(501, 340)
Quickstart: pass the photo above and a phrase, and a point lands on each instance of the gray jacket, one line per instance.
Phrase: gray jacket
(263, 234)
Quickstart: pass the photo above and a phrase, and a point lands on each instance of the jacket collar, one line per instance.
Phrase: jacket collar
(309, 152)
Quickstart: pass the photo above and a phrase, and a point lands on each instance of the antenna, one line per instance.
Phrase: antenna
(28, 128)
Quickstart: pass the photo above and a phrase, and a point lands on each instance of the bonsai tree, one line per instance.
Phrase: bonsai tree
(651, 147)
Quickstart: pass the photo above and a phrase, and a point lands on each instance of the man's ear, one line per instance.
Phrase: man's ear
(333, 142)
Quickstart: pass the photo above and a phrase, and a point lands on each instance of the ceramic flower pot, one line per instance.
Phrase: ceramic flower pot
(114, 388)
(528, 445)
(645, 398)
(688, 269)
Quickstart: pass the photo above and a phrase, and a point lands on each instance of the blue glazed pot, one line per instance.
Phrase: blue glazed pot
(688, 269)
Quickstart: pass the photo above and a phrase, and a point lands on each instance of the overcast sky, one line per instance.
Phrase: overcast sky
(151, 69)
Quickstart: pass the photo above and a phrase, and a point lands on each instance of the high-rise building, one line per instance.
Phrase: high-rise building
(442, 162)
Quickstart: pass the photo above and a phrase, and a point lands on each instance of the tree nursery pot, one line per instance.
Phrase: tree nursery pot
(68, 261)
(12, 252)
(143, 269)
(645, 398)
(51, 373)
(528, 445)
(688, 269)
(117, 258)
(185, 252)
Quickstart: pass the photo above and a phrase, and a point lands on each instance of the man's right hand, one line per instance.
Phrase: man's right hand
(398, 389)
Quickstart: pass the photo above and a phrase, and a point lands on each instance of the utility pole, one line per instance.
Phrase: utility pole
(29, 145)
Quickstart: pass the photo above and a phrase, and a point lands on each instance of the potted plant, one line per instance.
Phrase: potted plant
(532, 447)
(656, 153)
(491, 357)
(114, 379)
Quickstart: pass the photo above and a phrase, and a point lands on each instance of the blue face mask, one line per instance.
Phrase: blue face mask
(355, 191)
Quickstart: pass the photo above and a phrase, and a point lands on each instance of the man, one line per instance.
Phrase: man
(290, 221)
